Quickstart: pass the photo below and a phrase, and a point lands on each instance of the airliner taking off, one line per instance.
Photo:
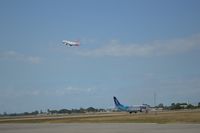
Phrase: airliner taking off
(131, 109)
(71, 43)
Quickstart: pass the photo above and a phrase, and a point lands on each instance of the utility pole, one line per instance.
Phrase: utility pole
(154, 96)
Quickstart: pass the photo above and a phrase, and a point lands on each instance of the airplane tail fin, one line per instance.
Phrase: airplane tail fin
(117, 103)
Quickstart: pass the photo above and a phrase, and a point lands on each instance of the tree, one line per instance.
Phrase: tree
(25, 113)
(5, 113)
(160, 105)
(35, 113)
(82, 110)
(41, 112)
(91, 109)
(64, 111)
(172, 107)
(48, 111)
(190, 106)
(175, 106)
(53, 111)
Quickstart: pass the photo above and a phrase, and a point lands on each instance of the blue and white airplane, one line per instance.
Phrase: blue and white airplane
(131, 109)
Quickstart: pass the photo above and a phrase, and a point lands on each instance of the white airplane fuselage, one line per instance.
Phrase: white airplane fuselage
(71, 43)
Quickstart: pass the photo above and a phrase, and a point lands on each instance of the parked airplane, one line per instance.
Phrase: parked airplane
(131, 109)
(71, 43)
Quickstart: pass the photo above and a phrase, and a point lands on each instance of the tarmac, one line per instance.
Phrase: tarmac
(100, 128)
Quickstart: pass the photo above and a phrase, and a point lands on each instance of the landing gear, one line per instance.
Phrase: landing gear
(132, 112)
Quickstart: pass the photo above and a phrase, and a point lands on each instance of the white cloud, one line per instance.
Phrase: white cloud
(20, 92)
(13, 55)
(45, 92)
(155, 48)
(72, 90)
(33, 60)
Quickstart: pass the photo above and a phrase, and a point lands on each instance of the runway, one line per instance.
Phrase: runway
(100, 128)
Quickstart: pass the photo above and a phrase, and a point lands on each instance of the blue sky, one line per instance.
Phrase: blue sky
(129, 49)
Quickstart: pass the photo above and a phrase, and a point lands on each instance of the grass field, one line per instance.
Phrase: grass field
(191, 116)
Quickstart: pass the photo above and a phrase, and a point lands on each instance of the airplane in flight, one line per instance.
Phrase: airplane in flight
(71, 43)
(131, 109)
